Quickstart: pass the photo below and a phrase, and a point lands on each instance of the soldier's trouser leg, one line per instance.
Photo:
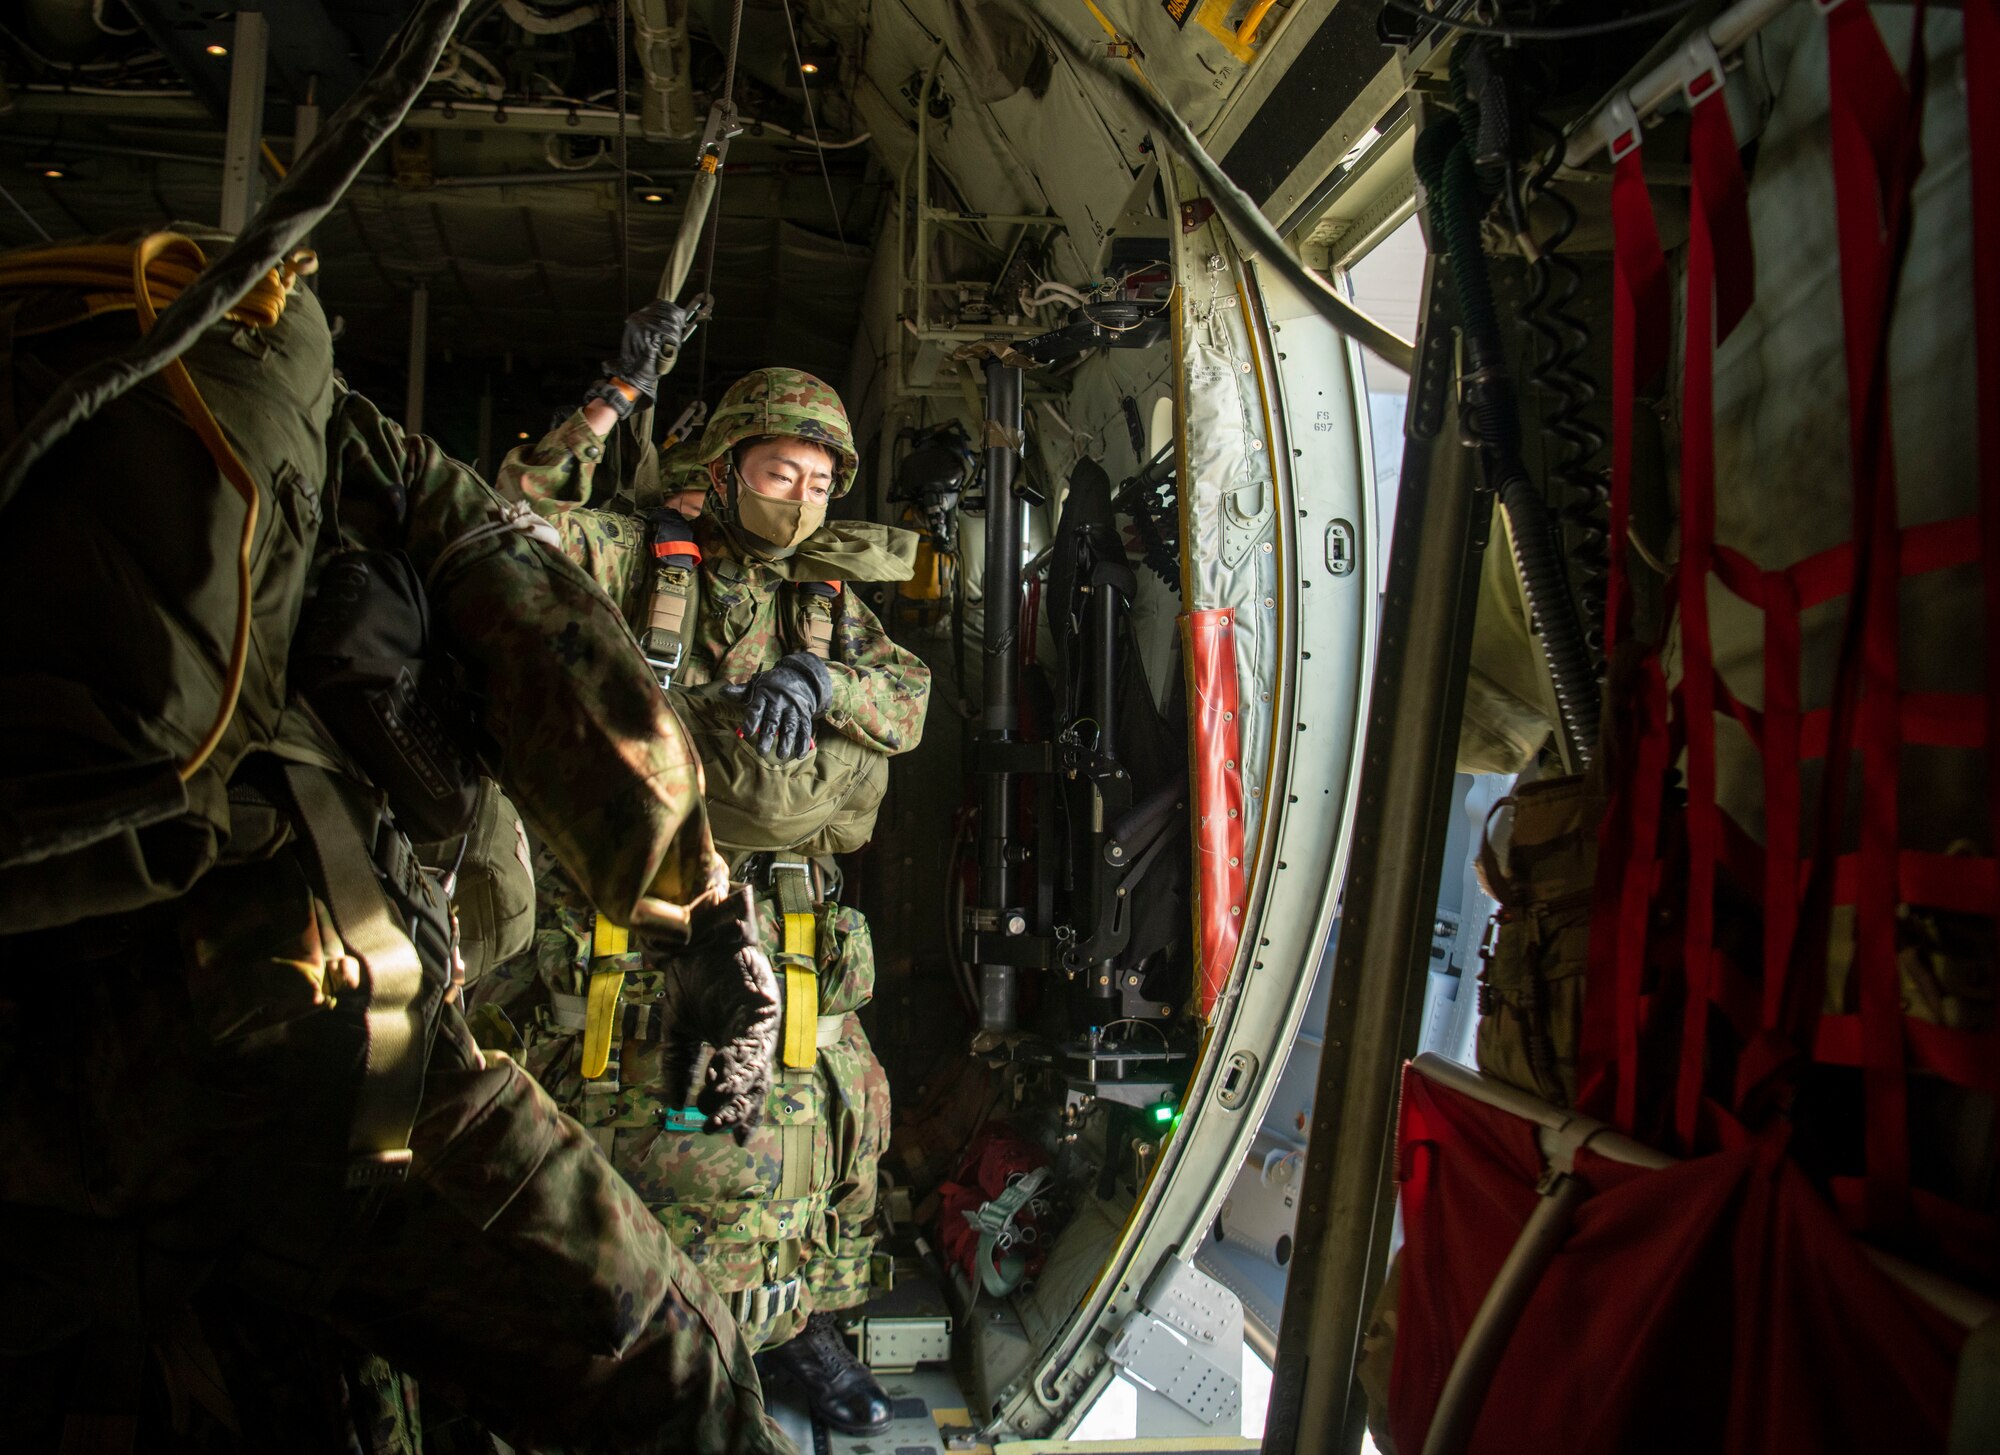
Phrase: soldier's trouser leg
(838, 1276)
(179, 1115)
(522, 1276)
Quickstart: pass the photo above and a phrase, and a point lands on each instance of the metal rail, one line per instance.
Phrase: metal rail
(1345, 1193)
(1631, 105)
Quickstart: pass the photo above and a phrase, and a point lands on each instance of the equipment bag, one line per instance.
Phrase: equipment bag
(1531, 990)
(822, 803)
(121, 574)
(493, 886)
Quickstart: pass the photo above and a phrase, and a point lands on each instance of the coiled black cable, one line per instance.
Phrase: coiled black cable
(1456, 203)
(1554, 282)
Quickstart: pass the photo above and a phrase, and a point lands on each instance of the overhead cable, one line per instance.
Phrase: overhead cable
(1236, 208)
(805, 87)
(315, 185)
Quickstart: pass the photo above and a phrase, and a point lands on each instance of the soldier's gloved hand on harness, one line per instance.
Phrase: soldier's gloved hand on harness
(650, 332)
(780, 703)
(720, 993)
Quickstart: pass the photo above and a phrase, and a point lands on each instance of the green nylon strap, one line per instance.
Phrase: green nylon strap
(670, 619)
(994, 1221)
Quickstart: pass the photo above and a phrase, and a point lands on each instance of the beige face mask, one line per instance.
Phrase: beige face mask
(781, 524)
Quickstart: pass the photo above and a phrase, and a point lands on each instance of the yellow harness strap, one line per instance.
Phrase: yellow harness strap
(799, 954)
(601, 1011)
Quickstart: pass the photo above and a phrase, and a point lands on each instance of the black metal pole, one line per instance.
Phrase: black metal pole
(1104, 606)
(1001, 589)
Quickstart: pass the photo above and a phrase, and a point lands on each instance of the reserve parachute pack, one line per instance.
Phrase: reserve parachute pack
(119, 575)
(781, 1226)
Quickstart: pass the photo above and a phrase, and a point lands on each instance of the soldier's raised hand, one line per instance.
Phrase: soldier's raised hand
(650, 332)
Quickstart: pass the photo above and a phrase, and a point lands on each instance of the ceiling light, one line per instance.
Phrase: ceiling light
(522, 435)
(811, 68)
(52, 172)
(654, 197)
(216, 50)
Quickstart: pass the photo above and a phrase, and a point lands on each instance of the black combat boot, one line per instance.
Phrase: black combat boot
(837, 1385)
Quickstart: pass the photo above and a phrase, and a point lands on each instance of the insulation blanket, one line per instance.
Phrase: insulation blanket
(1713, 1305)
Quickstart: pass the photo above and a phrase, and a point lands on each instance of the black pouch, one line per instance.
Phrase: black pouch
(362, 658)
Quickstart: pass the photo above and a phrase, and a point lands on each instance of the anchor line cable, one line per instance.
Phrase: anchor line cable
(715, 203)
(805, 89)
(624, 181)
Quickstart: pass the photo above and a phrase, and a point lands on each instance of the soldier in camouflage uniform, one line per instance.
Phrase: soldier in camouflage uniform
(785, 1228)
(200, 1080)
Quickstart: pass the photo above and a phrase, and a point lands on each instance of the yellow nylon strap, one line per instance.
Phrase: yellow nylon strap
(600, 1017)
(607, 938)
(600, 1020)
(802, 935)
(801, 1049)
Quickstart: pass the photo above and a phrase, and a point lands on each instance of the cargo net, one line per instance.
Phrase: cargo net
(1725, 996)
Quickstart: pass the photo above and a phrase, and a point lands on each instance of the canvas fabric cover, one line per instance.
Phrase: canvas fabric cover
(109, 693)
(1713, 1305)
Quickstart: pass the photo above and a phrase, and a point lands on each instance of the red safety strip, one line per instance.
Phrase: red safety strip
(1874, 129)
(663, 549)
(1629, 835)
(1218, 793)
(1720, 274)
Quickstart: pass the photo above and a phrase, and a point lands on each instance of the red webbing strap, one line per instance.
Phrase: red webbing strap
(1779, 745)
(1982, 104)
(1720, 276)
(1629, 834)
(1870, 119)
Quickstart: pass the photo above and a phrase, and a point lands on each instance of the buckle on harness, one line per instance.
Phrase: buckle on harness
(666, 663)
(379, 1169)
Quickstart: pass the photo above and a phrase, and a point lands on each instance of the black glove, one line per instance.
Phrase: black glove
(780, 703)
(720, 993)
(650, 332)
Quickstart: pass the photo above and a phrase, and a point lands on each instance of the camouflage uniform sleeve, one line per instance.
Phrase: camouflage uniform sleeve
(880, 689)
(576, 729)
(555, 472)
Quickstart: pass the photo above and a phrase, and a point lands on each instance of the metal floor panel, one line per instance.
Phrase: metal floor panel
(924, 1402)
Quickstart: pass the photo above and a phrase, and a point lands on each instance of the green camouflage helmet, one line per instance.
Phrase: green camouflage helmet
(782, 402)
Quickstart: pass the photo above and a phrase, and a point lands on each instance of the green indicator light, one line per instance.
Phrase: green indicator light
(1163, 1113)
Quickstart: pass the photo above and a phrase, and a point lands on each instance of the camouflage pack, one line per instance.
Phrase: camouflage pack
(107, 699)
(1531, 989)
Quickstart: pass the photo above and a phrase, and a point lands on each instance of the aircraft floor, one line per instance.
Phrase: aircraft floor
(926, 1401)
